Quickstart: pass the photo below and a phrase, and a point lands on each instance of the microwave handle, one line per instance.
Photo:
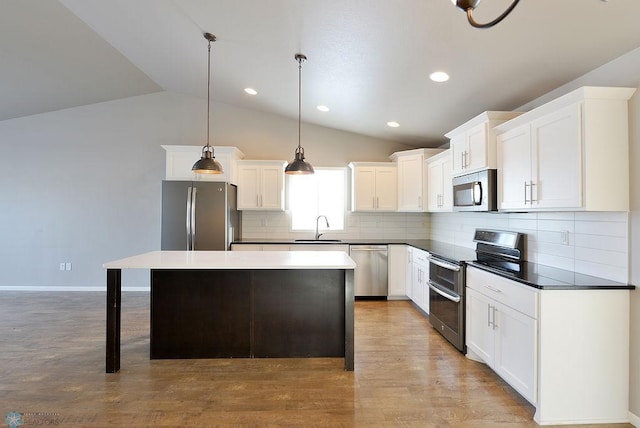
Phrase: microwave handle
(477, 193)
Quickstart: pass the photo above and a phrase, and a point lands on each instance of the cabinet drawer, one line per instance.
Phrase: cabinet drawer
(420, 256)
(518, 296)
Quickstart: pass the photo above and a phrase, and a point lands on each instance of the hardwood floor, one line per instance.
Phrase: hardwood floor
(406, 375)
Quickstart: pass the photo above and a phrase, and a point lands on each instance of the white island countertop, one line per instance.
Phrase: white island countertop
(235, 260)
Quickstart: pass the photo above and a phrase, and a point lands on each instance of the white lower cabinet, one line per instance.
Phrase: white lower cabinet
(408, 272)
(420, 278)
(565, 350)
(397, 256)
(498, 333)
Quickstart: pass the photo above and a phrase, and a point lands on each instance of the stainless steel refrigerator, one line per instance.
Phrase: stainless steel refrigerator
(199, 215)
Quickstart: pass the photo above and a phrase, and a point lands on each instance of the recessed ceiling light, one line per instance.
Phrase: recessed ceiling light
(393, 124)
(250, 91)
(323, 108)
(439, 76)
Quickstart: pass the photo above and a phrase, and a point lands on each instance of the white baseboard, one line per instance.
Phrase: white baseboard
(634, 420)
(65, 288)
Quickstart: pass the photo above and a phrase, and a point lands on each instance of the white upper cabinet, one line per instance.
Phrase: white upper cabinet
(411, 190)
(438, 182)
(180, 159)
(373, 186)
(261, 185)
(569, 154)
(473, 144)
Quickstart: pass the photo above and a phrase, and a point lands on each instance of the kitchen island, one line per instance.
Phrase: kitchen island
(222, 304)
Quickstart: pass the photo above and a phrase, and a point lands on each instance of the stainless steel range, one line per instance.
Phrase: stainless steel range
(495, 249)
(446, 299)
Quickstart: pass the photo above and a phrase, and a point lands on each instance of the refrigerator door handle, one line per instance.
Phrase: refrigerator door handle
(193, 218)
(188, 218)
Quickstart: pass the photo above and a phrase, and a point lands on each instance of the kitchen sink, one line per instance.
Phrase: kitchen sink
(318, 241)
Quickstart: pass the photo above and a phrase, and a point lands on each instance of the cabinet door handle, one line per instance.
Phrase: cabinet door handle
(488, 315)
(531, 192)
(525, 192)
(257, 200)
(461, 160)
(494, 318)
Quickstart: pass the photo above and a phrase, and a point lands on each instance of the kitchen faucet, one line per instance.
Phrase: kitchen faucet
(317, 220)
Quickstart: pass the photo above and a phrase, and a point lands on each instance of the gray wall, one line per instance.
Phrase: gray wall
(83, 185)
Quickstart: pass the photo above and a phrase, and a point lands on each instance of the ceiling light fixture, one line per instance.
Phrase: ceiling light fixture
(439, 76)
(298, 165)
(393, 124)
(469, 5)
(208, 163)
(323, 108)
(251, 91)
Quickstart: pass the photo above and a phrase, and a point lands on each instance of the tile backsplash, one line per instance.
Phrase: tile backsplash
(277, 225)
(593, 243)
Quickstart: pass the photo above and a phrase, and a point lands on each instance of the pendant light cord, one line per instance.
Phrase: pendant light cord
(299, 101)
(208, 91)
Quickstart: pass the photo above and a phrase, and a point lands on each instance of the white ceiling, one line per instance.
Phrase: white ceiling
(369, 60)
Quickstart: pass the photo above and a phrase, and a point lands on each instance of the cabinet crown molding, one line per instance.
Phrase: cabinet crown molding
(576, 96)
(357, 164)
(426, 152)
(487, 116)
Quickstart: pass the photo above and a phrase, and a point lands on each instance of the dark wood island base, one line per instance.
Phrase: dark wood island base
(242, 313)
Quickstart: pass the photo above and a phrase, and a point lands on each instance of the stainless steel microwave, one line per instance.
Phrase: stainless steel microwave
(476, 191)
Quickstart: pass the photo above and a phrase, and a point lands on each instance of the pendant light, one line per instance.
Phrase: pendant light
(208, 163)
(469, 5)
(298, 166)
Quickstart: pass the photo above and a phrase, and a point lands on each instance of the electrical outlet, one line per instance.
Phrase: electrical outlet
(62, 266)
(67, 266)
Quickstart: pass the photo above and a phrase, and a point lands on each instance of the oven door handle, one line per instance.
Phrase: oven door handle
(445, 265)
(453, 297)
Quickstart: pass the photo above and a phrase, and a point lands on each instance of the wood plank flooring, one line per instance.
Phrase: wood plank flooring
(406, 375)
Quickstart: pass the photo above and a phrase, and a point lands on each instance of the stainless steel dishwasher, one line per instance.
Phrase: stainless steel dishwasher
(371, 270)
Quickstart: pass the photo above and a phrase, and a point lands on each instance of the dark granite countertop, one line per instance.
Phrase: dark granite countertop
(549, 278)
(532, 274)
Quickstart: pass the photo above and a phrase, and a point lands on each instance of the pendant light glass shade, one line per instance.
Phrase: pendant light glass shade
(208, 163)
(298, 166)
(469, 5)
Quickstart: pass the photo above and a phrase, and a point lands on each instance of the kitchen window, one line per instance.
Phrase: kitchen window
(323, 193)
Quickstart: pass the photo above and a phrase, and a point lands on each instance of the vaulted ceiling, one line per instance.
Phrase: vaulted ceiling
(368, 60)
